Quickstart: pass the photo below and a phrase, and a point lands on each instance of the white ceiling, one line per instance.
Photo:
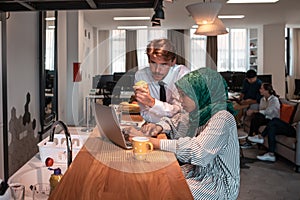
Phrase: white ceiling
(177, 17)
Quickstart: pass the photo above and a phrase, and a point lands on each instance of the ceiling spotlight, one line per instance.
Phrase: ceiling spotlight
(159, 14)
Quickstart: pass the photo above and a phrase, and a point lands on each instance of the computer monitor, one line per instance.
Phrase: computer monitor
(102, 83)
(228, 78)
(124, 80)
(118, 76)
(265, 78)
(95, 80)
(237, 81)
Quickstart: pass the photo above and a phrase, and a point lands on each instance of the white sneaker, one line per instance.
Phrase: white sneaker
(267, 157)
(256, 139)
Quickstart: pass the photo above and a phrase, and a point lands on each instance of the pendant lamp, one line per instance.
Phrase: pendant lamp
(216, 28)
(204, 12)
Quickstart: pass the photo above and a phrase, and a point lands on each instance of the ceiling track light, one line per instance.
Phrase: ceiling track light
(156, 24)
(154, 20)
(159, 12)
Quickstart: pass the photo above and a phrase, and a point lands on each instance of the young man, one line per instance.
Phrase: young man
(250, 94)
(162, 70)
(249, 98)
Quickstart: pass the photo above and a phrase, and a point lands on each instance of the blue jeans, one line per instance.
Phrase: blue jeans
(277, 127)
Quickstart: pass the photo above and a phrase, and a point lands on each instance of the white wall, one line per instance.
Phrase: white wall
(22, 71)
(22, 63)
(62, 66)
(72, 56)
(273, 55)
(76, 47)
(22, 78)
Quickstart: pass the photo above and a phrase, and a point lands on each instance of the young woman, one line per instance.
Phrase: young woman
(269, 108)
(207, 144)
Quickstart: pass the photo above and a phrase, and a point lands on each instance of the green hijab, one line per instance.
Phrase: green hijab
(208, 89)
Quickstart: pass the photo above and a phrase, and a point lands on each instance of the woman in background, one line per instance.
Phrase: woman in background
(269, 108)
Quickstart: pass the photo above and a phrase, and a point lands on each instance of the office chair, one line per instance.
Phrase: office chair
(102, 84)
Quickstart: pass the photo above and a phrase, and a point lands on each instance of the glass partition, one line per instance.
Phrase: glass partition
(48, 69)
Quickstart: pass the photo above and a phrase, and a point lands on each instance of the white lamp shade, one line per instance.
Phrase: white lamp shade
(204, 12)
(216, 28)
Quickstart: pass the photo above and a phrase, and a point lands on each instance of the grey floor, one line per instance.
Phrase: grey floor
(266, 180)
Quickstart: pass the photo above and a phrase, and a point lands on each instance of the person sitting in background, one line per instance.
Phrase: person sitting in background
(207, 146)
(250, 95)
(269, 108)
(275, 127)
(162, 70)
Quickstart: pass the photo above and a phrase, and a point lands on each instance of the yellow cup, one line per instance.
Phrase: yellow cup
(141, 147)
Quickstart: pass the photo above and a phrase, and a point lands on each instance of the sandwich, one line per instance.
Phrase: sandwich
(140, 84)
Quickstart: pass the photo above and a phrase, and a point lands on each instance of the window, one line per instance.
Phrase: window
(118, 50)
(49, 51)
(232, 50)
(143, 38)
(198, 50)
(118, 47)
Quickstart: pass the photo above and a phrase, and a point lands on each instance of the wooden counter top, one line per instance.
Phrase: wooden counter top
(102, 170)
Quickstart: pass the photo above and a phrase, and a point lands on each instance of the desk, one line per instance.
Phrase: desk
(88, 100)
(102, 170)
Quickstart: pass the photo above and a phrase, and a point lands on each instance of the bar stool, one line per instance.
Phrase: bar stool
(241, 136)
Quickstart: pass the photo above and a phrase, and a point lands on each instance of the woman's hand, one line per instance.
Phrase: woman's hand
(155, 142)
(151, 129)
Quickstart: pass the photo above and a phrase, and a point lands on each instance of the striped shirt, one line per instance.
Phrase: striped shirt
(213, 169)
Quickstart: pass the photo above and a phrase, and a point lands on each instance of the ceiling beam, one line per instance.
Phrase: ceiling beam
(25, 5)
(91, 4)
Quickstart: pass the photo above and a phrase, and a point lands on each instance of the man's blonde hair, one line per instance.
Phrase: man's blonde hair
(161, 47)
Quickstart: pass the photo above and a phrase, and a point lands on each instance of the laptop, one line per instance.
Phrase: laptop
(107, 121)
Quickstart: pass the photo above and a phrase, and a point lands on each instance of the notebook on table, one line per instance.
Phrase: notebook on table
(107, 121)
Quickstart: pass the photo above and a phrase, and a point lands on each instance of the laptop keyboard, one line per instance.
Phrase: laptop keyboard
(126, 136)
(128, 144)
